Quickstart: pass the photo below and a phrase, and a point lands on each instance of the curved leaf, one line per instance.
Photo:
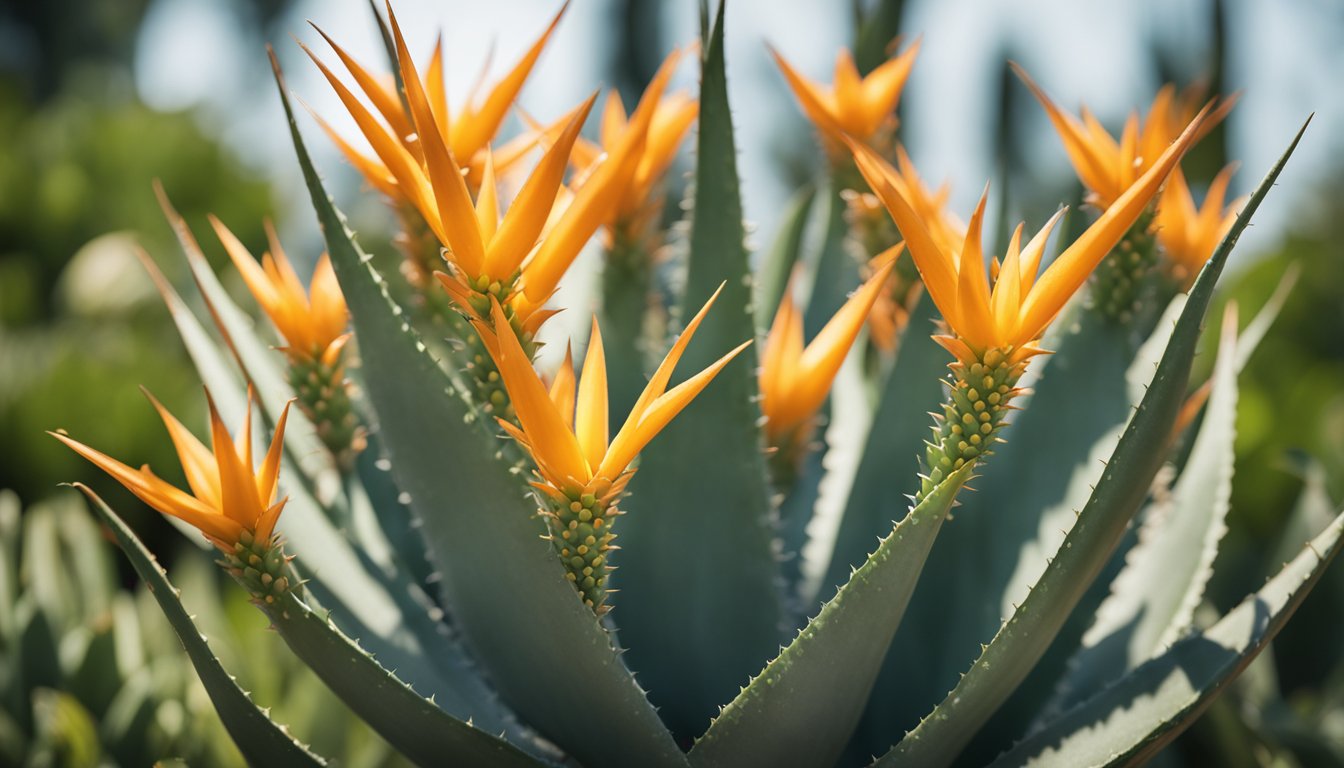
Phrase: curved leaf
(699, 604)
(390, 614)
(262, 741)
(412, 724)
(1132, 719)
(503, 584)
(801, 709)
(1027, 634)
(1153, 599)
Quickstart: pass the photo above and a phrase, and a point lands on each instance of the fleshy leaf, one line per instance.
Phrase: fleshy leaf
(801, 709)
(700, 520)
(261, 740)
(525, 622)
(1131, 720)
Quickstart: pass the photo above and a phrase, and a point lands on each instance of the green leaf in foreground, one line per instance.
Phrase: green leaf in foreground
(412, 724)
(502, 583)
(1131, 720)
(263, 742)
(699, 604)
(801, 709)
(1024, 638)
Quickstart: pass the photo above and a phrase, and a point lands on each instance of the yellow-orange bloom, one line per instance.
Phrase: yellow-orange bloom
(860, 107)
(229, 496)
(1189, 233)
(1108, 166)
(672, 118)
(794, 379)
(565, 429)
(313, 322)
(1014, 313)
(467, 133)
(529, 250)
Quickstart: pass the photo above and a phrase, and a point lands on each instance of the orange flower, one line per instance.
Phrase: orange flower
(794, 379)
(231, 501)
(1189, 234)
(565, 429)
(672, 117)
(860, 107)
(1107, 166)
(313, 322)
(467, 133)
(1012, 314)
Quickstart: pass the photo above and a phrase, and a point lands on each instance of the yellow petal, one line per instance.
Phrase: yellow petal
(374, 172)
(386, 102)
(822, 359)
(1068, 272)
(882, 87)
(450, 190)
(613, 119)
(527, 215)
(1079, 143)
(976, 323)
(783, 350)
(1006, 298)
(1031, 255)
(811, 98)
(487, 204)
(598, 194)
(476, 132)
(562, 388)
(198, 464)
(553, 444)
(268, 478)
(934, 264)
(238, 493)
(633, 437)
(658, 382)
(590, 418)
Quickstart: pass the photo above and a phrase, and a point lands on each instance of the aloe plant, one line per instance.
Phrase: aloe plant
(530, 601)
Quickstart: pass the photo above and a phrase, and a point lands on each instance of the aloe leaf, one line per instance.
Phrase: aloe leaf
(699, 604)
(801, 709)
(1153, 599)
(388, 612)
(1026, 635)
(9, 566)
(836, 273)
(899, 427)
(414, 725)
(772, 279)
(261, 740)
(503, 584)
(1132, 719)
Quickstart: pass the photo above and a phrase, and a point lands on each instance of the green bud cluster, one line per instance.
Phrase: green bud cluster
(490, 392)
(1122, 278)
(261, 567)
(581, 534)
(324, 397)
(972, 417)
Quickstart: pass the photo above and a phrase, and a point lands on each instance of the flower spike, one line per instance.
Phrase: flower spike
(582, 471)
(1189, 234)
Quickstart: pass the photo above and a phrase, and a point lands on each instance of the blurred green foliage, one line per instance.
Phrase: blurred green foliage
(77, 312)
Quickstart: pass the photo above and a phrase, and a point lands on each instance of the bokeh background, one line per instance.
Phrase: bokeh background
(100, 97)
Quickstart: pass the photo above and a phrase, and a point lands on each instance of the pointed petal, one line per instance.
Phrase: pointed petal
(883, 86)
(590, 418)
(553, 444)
(1078, 144)
(383, 100)
(268, 478)
(935, 265)
(527, 215)
(634, 436)
(563, 388)
(810, 98)
(658, 382)
(485, 120)
(454, 204)
(198, 464)
(977, 324)
(1070, 270)
(487, 204)
(238, 492)
(1030, 260)
(1006, 298)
